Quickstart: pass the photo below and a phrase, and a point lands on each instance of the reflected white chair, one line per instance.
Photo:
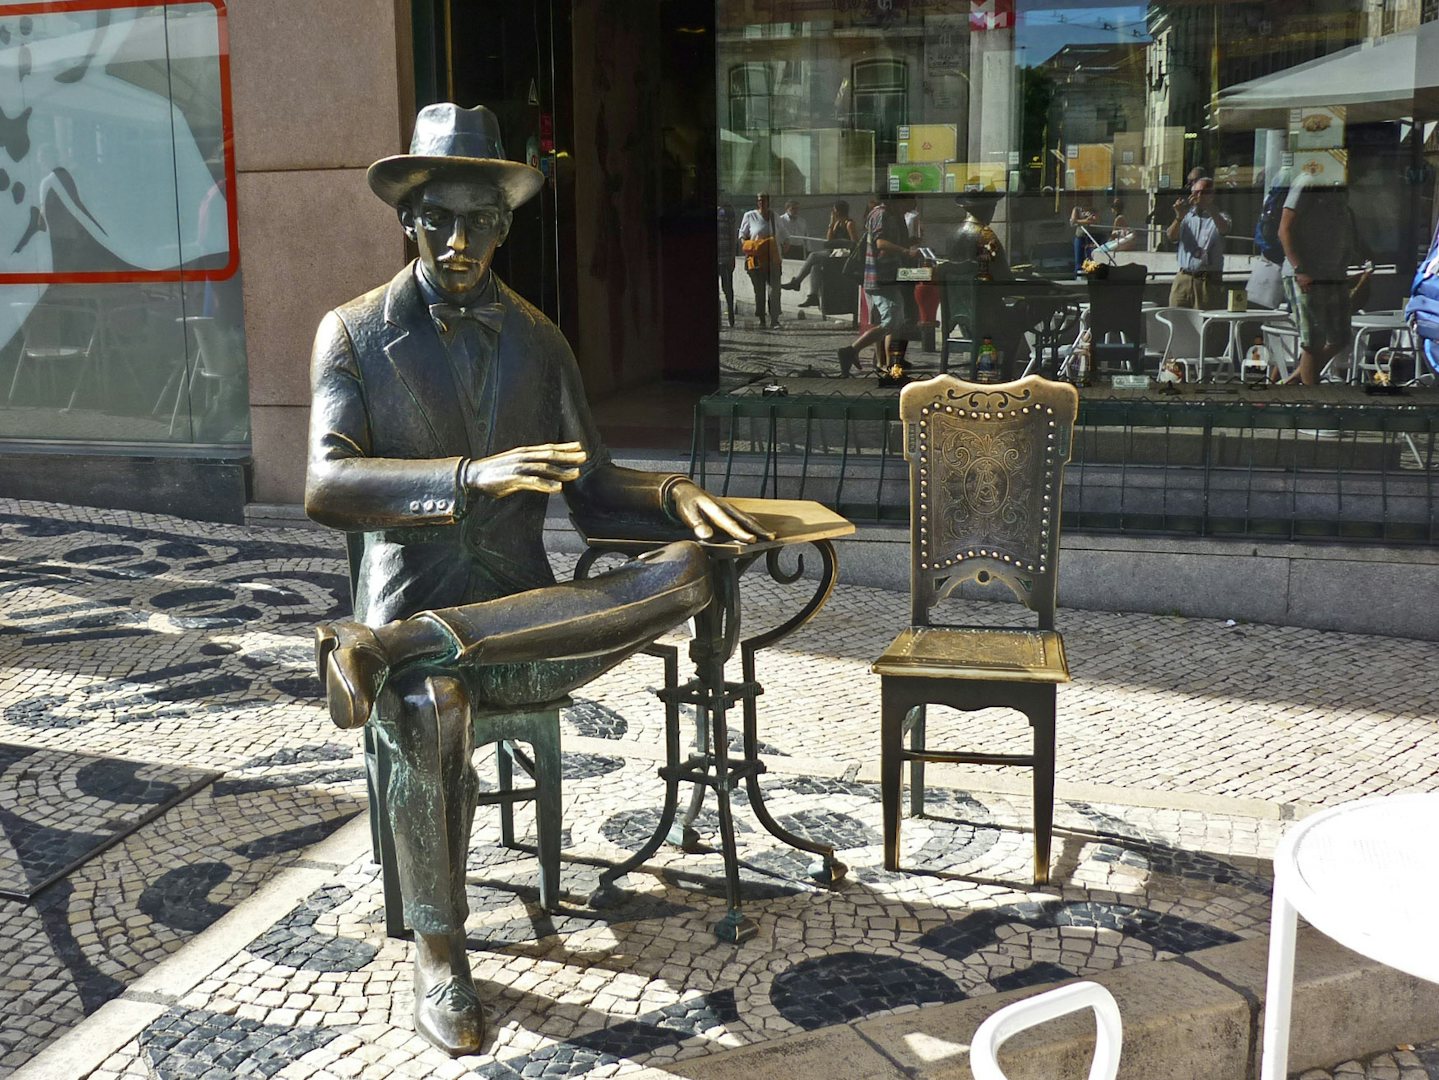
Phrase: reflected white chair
(55, 334)
(216, 359)
(1156, 335)
(1040, 1009)
(1281, 341)
(1401, 342)
(1185, 341)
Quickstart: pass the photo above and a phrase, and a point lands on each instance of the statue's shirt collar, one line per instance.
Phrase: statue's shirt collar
(485, 294)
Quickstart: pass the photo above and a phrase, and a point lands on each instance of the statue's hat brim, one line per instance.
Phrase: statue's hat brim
(393, 178)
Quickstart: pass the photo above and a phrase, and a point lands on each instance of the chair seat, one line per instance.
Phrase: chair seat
(954, 652)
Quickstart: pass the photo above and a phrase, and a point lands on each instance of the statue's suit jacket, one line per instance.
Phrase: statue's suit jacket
(389, 436)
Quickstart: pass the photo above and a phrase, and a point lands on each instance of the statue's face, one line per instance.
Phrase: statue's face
(457, 225)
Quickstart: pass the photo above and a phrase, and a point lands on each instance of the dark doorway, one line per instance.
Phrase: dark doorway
(688, 191)
(514, 59)
(520, 60)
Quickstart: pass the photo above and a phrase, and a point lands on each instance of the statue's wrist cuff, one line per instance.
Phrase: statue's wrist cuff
(462, 494)
(667, 496)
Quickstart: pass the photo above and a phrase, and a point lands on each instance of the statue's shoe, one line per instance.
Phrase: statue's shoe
(353, 666)
(449, 1014)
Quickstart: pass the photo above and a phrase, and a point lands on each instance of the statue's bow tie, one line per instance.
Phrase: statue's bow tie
(448, 317)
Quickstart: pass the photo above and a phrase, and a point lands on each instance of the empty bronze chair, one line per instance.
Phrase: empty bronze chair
(986, 466)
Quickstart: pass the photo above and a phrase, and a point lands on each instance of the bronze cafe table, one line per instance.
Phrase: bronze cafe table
(795, 524)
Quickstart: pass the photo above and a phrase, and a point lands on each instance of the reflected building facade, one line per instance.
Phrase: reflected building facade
(130, 182)
(1066, 114)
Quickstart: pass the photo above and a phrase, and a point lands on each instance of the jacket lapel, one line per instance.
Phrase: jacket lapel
(524, 390)
(416, 355)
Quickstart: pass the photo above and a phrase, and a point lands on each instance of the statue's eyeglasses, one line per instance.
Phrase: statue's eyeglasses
(437, 219)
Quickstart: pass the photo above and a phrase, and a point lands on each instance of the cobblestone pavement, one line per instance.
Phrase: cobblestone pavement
(1406, 1063)
(167, 648)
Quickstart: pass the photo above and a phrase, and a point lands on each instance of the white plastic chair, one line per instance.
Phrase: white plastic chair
(58, 333)
(1186, 345)
(1022, 1015)
(1401, 341)
(1282, 342)
(1156, 335)
(1183, 343)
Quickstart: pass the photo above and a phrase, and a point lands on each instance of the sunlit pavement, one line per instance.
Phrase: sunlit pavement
(156, 686)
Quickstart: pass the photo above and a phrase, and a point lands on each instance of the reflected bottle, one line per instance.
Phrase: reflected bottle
(1081, 367)
(986, 363)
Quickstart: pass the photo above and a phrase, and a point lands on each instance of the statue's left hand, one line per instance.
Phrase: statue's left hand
(707, 515)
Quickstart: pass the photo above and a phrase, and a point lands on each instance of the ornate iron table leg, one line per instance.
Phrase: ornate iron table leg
(716, 638)
(605, 892)
(682, 834)
(716, 631)
(827, 870)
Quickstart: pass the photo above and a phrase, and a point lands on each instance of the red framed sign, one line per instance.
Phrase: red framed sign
(88, 133)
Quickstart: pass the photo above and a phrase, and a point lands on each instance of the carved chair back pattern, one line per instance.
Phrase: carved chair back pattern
(986, 474)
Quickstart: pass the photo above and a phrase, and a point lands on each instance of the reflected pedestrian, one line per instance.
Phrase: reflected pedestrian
(1317, 232)
(1199, 228)
(841, 234)
(762, 237)
(1082, 216)
(727, 247)
(887, 242)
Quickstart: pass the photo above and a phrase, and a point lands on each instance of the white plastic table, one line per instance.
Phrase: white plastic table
(1366, 874)
(1234, 349)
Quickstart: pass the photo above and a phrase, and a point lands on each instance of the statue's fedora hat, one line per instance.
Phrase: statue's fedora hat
(451, 143)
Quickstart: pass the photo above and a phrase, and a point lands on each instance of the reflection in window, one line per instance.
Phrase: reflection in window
(120, 319)
(881, 99)
(749, 97)
(1079, 124)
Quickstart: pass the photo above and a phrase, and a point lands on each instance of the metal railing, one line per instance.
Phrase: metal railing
(1190, 467)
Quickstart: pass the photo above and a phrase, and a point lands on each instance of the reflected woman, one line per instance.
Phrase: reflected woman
(842, 234)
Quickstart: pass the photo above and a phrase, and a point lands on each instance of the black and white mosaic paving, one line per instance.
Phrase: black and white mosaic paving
(140, 659)
(641, 980)
(58, 809)
(187, 645)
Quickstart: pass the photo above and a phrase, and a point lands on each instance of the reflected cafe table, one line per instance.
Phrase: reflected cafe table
(717, 634)
(1003, 308)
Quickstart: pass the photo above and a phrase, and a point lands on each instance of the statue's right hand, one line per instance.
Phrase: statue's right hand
(541, 468)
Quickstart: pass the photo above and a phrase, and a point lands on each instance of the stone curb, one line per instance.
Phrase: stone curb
(1196, 1017)
(86, 1046)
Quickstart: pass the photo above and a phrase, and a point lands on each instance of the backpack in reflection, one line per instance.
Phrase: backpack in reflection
(1266, 229)
(1422, 310)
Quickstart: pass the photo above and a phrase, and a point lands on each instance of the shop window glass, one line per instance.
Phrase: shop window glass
(1010, 114)
(120, 308)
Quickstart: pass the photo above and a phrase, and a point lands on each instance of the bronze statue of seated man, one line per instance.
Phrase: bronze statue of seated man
(446, 410)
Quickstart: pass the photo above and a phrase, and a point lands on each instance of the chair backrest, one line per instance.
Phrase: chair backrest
(60, 327)
(1030, 1012)
(1283, 345)
(216, 355)
(1156, 332)
(986, 469)
(1115, 301)
(1183, 326)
